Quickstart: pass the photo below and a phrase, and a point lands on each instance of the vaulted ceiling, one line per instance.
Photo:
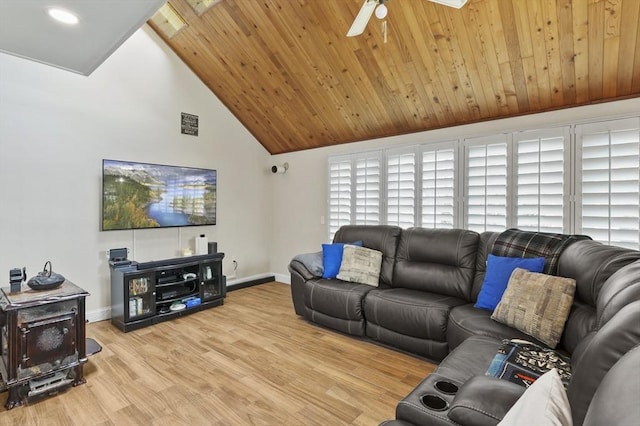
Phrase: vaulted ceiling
(287, 71)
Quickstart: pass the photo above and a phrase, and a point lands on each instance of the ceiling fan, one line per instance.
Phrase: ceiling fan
(369, 6)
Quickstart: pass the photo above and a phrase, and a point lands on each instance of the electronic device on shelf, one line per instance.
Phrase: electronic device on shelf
(118, 254)
(171, 294)
(165, 279)
(118, 257)
(192, 302)
(178, 306)
(16, 277)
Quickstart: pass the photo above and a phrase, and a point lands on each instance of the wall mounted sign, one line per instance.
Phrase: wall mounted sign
(189, 124)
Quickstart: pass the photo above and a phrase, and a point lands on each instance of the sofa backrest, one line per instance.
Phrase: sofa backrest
(440, 261)
(620, 289)
(597, 353)
(485, 244)
(616, 399)
(383, 238)
(591, 264)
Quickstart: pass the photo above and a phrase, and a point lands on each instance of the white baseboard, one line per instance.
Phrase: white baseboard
(99, 314)
(236, 281)
(102, 314)
(283, 278)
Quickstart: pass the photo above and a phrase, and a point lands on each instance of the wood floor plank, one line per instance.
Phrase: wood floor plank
(251, 361)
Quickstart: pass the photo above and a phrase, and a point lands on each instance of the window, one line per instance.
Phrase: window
(574, 179)
(368, 190)
(354, 190)
(339, 194)
(401, 189)
(438, 188)
(486, 184)
(540, 184)
(609, 156)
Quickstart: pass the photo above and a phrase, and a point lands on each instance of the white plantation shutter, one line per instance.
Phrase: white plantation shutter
(438, 190)
(354, 190)
(543, 180)
(609, 156)
(401, 189)
(339, 194)
(368, 190)
(540, 184)
(486, 185)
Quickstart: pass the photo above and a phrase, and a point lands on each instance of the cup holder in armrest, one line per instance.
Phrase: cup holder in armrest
(445, 387)
(434, 402)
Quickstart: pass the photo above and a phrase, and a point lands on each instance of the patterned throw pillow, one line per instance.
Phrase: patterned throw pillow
(522, 362)
(536, 304)
(360, 265)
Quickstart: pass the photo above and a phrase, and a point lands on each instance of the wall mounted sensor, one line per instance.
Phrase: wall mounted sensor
(280, 169)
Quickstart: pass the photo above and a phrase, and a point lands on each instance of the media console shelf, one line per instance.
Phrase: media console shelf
(150, 292)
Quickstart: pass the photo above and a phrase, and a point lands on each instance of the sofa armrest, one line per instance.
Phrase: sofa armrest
(297, 266)
(484, 401)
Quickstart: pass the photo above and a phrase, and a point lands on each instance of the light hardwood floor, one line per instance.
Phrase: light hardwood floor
(251, 361)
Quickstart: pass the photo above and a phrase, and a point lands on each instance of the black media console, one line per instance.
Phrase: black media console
(150, 292)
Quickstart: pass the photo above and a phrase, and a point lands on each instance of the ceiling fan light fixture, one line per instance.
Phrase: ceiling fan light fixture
(381, 11)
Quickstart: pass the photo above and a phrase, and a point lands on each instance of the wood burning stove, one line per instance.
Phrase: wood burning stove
(42, 341)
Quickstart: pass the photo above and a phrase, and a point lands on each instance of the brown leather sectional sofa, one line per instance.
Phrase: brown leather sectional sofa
(429, 282)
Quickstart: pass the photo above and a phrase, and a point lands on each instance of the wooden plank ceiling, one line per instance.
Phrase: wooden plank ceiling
(287, 71)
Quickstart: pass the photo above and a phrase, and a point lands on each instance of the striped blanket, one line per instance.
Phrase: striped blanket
(517, 243)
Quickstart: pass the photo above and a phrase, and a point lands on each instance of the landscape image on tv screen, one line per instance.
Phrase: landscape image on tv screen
(141, 195)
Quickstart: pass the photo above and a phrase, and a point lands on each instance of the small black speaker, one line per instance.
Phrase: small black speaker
(213, 247)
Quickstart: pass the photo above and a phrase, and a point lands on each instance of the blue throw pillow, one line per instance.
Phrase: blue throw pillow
(332, 258)
(496, 278)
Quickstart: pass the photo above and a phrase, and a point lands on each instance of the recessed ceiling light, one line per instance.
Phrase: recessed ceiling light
(63, 16)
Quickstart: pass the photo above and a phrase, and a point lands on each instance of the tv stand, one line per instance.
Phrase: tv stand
(147, 293)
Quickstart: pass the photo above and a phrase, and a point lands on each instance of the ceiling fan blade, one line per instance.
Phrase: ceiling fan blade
(362, 19)
(451, 3)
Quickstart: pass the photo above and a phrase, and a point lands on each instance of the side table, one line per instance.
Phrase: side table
(42, 339)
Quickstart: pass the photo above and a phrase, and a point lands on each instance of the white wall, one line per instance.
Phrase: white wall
(55, 129)
(300, 195)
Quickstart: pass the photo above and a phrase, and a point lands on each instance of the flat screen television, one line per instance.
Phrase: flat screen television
(142, 195)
